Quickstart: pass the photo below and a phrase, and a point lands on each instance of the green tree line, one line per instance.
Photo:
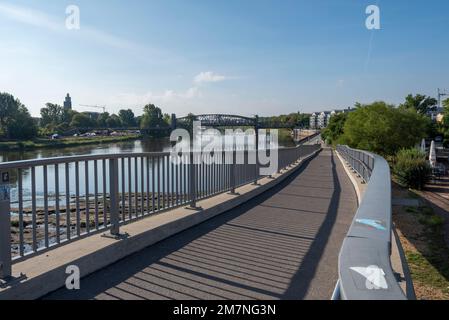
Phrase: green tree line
(385, 128)
(292, 120)
(17, 123)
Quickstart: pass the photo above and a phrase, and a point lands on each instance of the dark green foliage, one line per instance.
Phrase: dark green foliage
(292, 120)
(411, 168)
(127, 118)
(153, 118)
(335, 129)
(419, 103)
(15, 120)
(384, 129)
(82, 120)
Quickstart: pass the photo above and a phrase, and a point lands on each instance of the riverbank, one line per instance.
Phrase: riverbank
(43, 143)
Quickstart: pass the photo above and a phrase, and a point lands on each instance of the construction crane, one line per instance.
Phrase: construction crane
(98, 107)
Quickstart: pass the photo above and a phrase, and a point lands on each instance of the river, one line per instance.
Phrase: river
(137, 146)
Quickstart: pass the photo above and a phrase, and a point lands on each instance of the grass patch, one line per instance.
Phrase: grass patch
(426, 251)
(424, 273)
(411, 209)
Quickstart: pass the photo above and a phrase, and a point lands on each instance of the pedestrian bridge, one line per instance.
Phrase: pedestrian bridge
(148, 229)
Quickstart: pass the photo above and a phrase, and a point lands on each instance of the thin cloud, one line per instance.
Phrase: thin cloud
(209, 76)
(30, 17)
(139, 100)
(42, 20)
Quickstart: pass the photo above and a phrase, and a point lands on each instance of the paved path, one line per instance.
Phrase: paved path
(283, 244)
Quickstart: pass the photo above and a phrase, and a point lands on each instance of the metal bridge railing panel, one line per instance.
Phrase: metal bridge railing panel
(60, 200)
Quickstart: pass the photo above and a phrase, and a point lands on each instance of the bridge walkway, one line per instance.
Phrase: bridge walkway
(283, 244)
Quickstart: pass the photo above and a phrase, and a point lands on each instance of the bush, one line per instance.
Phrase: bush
(411, 168)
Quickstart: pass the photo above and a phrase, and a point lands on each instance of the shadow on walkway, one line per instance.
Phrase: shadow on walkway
(301, 281)
(268, 248)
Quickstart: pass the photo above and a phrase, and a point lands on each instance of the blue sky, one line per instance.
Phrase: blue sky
(236, 56)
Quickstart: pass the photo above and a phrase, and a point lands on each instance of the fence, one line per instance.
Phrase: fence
(365, 270)
(59, 200)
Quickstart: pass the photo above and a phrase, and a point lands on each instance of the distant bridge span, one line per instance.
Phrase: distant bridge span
(229, 120)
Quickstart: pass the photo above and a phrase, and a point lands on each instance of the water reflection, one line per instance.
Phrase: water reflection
(146, 145)
(87, 180)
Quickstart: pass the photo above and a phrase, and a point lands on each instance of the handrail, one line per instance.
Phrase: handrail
(365, 271)
(307, 139)
(91, 157)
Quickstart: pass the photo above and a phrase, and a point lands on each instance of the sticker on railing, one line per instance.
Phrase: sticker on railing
(5, 177)
(376, 224)
(4, 193)
(4, 186)
(375, 277)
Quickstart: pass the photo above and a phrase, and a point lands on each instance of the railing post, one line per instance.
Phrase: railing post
(5, 227)
(192, 180)
(256, 128)
(114, 197)
(233, 171)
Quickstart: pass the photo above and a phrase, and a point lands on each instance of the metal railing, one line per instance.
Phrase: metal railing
(365, 270)
(361, 162)
(56, 201)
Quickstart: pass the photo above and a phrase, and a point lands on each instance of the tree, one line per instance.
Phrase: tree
(55, 118)
(113, 121)
(292, 120)
(335, 128)
(52, 115)
(152, 117)
(384, 129)
(15, 120)
(102, 120)
(81, 120)
(419, 102)
(167, 119)
(446, 113)
(445, 124)
(127, 118)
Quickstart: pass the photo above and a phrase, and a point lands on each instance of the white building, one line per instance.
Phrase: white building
(313, 122)
(320, 120)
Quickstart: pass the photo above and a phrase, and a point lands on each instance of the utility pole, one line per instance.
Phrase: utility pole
(441, 93)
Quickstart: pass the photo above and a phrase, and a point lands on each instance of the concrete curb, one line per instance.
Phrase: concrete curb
(47, 272)
(355, 183)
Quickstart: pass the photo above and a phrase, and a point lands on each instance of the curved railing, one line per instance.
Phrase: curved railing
(365, 271)
(51, 202)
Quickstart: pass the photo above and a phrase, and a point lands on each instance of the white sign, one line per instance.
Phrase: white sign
(375, 277)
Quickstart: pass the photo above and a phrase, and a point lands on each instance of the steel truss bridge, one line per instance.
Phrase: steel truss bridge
(228, 120)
